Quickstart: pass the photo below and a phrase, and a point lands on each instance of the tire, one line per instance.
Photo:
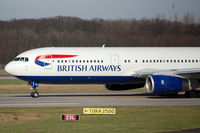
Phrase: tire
(198, 93)
(35, 94)
(191, 94)
(32, 94)
(187, 94)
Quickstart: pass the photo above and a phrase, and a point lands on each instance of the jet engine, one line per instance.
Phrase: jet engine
(164, 84)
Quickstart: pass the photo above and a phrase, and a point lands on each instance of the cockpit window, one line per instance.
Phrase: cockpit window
(17, 59)
(26, 59)
(22, 59)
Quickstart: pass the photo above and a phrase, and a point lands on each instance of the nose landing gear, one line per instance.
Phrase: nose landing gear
(34, 92)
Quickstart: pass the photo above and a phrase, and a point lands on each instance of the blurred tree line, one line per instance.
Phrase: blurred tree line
(17, 36)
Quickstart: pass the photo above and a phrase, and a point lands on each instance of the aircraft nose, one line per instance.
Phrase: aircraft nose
(8, 68)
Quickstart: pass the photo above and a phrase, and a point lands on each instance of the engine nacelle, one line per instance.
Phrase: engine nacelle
(117, 87)
(164, 84)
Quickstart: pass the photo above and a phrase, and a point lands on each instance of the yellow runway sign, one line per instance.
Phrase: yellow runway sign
(99, 111)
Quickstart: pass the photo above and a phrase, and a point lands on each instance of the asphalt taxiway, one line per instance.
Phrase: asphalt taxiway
(94, 99)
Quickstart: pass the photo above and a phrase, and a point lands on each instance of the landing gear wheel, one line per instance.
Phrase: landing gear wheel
(198, 93)
(34, 94)
(187, 94)
(192, 93)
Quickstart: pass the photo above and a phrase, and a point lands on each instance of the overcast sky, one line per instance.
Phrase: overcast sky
(89, 9)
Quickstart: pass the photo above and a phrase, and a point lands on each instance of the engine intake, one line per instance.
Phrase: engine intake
(164, 84)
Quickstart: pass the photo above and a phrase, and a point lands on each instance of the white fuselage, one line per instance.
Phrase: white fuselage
(88, 63)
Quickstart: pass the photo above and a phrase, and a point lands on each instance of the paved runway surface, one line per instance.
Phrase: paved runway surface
(94, 99)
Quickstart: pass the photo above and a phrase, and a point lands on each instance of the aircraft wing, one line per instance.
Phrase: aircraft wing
(187, 73)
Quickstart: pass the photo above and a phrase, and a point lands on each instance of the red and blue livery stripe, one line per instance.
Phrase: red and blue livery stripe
(53, 56)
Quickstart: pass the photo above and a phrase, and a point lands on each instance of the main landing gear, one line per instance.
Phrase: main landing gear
(192, 93)
(34, 92)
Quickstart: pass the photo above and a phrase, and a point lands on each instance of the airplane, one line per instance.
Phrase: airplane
(162, 70)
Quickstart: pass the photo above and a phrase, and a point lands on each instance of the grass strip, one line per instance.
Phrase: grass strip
(12, 82)
(128, 119)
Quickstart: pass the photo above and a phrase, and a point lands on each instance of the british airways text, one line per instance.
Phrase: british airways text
(95, 68)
